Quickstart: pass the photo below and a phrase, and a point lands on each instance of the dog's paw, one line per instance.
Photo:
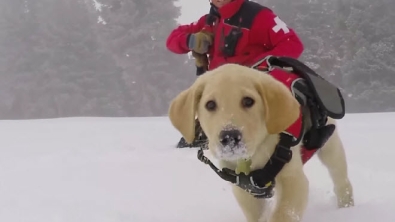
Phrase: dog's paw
(345, 201)
(345, 197)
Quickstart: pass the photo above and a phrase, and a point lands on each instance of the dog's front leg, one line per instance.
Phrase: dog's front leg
(252, 207)
(292, 195)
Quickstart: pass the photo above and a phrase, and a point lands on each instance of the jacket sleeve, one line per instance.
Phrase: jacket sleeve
(276, 37)
(177, 40)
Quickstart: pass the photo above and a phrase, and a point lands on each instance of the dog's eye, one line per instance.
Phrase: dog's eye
(247, 102)
(211, 105)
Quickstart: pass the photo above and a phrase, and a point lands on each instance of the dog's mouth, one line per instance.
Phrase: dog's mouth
(232, 152)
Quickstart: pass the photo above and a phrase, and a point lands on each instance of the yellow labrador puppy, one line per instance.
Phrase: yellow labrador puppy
(258, 107)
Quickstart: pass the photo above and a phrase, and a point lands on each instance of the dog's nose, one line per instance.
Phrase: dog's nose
(230, 137)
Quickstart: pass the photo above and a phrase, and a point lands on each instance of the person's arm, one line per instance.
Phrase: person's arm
(276, 36)
(177, 41)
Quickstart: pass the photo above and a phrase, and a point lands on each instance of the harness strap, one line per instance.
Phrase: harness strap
(259, 183)
(282, 155)
(224, 175)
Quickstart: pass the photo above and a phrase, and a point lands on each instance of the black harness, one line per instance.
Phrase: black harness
(260, 182)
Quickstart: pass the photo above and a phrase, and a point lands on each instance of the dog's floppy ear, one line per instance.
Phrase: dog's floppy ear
(183, 109)
(281, 108)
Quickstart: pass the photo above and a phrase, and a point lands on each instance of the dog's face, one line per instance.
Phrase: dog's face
(237, 108)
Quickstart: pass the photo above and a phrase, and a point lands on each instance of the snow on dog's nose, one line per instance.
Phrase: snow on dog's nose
(231, 146)
(230, 138)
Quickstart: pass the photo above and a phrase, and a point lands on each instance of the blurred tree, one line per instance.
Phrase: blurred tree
(50, 66)
(368, 62)
(108, 57)
(135, 32)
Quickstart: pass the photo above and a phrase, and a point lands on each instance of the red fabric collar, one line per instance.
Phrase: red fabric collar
(230, 9)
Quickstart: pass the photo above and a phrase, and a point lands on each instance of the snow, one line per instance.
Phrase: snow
(127, 169)
(98, 6)
(101, 20)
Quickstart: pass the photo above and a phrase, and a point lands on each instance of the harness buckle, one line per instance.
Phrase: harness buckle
(282, 154)
(263, 67)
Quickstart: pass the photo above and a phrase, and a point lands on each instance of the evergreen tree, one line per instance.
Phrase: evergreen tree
(135, 33)
(369, 53)
(62, 58)
(51, 65)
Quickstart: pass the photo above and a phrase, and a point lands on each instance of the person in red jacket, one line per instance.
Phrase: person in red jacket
(235, 31)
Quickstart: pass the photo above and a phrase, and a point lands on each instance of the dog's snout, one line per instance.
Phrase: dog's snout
(230, 137)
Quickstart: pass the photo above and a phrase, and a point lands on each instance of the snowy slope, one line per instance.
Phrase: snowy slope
(127, 169)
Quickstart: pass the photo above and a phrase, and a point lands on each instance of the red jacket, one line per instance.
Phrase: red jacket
(264, 35)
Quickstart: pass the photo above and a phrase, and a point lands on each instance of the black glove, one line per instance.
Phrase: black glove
(201, 62)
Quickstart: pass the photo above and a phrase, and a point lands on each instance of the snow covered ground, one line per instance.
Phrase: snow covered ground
(127, 169)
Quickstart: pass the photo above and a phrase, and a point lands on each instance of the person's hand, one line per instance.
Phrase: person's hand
(201, 60)
(200, 42)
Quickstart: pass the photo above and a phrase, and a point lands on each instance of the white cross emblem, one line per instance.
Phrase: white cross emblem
(280, 25)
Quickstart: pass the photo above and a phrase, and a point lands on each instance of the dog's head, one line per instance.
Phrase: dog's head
(237, 108)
